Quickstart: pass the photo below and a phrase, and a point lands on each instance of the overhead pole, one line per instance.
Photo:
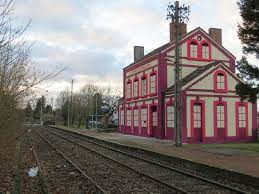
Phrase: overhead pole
(71, 100)
(178, 14)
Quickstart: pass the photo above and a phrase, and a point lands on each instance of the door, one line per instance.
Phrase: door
(153, 120)
(197, 119)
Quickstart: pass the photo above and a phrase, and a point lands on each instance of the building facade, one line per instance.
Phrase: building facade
(212, 112)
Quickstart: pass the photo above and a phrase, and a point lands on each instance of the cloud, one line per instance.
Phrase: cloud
(94, 39)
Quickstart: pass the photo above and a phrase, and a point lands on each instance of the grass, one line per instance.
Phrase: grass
(254, 147)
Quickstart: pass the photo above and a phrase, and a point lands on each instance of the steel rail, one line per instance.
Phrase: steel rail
(157, 181)
(44, 186)
(72, 163)
(154, 163)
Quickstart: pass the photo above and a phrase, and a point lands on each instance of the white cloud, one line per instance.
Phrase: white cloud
(95, 38)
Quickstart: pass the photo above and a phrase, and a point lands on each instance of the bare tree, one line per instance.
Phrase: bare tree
(110, 100)
(18, 75)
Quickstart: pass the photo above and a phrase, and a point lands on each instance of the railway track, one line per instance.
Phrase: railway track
(60, 174)
(185, 182)
(110, 174)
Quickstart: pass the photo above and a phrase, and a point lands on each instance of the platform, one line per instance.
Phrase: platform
(239, 160)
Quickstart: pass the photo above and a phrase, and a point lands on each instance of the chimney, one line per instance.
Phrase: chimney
(216, 34)
(182, 27)
(138, 52)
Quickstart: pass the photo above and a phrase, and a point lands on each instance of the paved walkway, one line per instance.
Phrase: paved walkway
(246, 162)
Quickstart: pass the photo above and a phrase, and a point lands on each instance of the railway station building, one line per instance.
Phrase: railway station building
(212, 111)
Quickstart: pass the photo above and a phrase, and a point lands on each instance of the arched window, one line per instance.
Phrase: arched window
(193, 50)
(205, 51)
(220, 81)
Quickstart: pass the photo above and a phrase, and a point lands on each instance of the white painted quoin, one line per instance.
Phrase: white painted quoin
(212, 112)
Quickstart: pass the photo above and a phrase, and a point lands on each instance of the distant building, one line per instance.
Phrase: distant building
(212, 112)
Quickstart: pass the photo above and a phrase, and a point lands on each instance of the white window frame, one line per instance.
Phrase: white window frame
(220, 116)
(170, 116)
(129, 117)
(135, 117)
(153, 80)
(144, 117)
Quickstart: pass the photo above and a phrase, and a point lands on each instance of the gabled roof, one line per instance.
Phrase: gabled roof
(171, 44)
(192, 76)
(162, 48)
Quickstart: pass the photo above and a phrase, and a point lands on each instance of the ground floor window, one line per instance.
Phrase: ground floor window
(128, 117)
(154, 118)
(144, 117)
(122, 117)
(197, 115)
(220, 116)
(135, 118)
(242, 116)
(170, 116)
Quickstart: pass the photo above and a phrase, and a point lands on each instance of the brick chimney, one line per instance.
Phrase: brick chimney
(138, 52)
(216, 34)
(183, 30)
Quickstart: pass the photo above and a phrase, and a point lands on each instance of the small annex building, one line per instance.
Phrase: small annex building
(212, 112)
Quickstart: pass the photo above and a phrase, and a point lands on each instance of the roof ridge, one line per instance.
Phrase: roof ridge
(193, 74)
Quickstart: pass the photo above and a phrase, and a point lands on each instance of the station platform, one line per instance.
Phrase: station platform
(234, 159)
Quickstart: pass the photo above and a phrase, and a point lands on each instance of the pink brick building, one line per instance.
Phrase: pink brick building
(212, 112)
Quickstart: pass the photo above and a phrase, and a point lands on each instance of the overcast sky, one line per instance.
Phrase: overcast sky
(94, 39)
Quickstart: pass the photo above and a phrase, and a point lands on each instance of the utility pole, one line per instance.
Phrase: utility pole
(178, 14)
(72, 84)
(96, 110)
(68, 118)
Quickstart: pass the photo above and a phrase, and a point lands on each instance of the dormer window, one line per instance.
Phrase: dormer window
(199, 50)
(205, 51)
(193, 50)
(220, 81)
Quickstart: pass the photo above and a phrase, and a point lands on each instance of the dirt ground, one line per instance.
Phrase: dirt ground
(9, 153)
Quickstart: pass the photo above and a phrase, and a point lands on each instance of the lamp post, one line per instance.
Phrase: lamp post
(178, 14)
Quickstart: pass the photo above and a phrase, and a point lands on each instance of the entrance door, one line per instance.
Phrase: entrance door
(153, 120)
(197, 119)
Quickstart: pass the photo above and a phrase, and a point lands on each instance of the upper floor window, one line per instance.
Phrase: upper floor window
(199, 49)
(135, 88)
(153, 80)
(205, 51)
(128, 90)
(220, 81)
(193, 50)
(144, 86)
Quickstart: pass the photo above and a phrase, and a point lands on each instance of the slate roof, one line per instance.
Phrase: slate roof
(192, 76)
